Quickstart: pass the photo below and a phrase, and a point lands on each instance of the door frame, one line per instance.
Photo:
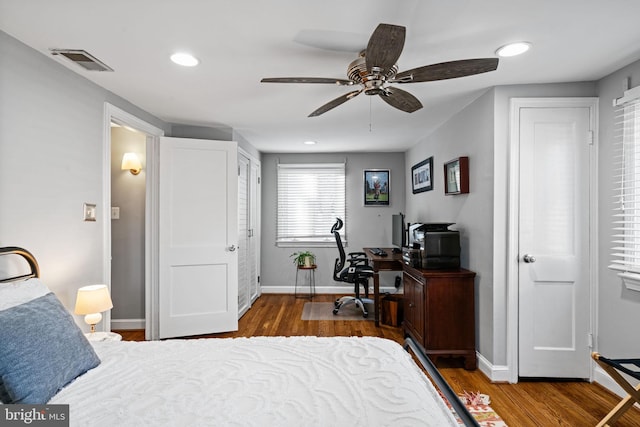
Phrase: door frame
(513, 218)
(115, 114)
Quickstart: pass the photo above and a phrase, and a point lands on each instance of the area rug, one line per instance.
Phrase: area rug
(478, 406)
(324, 311)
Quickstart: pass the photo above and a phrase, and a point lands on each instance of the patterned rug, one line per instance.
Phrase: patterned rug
(478, 405)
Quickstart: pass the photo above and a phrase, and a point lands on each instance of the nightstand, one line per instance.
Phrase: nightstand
(103, 336)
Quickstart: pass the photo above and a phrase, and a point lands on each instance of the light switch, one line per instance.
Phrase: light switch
(89, 211)
(115, 212)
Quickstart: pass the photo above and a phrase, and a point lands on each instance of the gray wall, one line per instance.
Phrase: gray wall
(480, 131)
(366, 226)
(503, 95)
(127, 233)
(51, 162)
(469, 133)
(618, 308)
(220, 133)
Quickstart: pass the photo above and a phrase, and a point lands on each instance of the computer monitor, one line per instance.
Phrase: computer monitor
(398, 231)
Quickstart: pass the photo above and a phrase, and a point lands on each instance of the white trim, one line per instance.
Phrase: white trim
(127, 324)
(513, 206)
(113, 113)
(629, 95)
(495, 373)
(631, 280)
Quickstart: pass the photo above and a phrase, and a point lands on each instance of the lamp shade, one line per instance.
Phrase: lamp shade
(93, 299)
(130, 161)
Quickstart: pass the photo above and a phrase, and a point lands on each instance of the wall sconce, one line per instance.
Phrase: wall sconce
(92, 301)
(131, 162)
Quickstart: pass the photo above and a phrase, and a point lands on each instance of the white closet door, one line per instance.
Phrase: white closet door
(244, 267)
(198, 223)
(254, 227)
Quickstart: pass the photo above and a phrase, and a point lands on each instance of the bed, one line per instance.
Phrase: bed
(258, 381)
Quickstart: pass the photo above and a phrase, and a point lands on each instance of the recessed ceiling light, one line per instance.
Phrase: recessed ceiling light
(513, 49)
(185, 59)
(310, 143)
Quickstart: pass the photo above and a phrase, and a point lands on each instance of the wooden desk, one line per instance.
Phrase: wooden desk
(391, 262)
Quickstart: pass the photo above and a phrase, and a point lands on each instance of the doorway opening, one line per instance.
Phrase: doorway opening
(130, 132)
(128, 195)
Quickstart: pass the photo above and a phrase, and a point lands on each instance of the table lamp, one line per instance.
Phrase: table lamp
(92, 301)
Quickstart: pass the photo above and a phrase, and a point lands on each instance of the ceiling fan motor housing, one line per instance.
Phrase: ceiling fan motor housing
(374, 81)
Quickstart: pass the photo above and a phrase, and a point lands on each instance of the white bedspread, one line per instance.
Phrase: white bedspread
(260, 381)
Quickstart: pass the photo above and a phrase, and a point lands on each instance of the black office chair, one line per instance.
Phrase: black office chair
(351, 268)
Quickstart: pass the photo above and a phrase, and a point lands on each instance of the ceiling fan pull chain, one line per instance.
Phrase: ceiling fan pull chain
(370, 114)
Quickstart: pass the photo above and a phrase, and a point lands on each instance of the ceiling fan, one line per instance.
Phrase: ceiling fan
(376, 69)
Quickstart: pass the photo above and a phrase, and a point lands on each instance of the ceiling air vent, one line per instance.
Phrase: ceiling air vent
(83, 59)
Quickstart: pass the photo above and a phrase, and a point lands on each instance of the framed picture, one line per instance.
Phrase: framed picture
(377, 187)
(422, 176)
(456, 176)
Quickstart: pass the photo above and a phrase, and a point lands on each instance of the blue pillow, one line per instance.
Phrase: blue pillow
(41, 350)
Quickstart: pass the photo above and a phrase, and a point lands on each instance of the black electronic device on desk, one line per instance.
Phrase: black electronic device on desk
(432, 246)
(378, 252)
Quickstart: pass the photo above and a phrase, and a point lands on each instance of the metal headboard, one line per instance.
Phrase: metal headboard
(31, 260)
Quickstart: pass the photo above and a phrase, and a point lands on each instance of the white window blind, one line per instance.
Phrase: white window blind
(310, 198)
(626, 231)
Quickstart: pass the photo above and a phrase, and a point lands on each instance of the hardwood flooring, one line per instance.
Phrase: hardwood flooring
(531, 403)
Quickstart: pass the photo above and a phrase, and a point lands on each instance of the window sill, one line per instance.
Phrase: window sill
(631, 280)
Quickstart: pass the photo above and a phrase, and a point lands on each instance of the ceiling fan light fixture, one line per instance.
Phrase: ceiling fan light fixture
(309, 142)
(184, 59)
(513, 49)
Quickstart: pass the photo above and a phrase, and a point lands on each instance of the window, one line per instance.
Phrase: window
(626, 229)
(310, 197)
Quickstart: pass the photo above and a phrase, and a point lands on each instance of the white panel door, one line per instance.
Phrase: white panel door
(554, 287)
(198, 222)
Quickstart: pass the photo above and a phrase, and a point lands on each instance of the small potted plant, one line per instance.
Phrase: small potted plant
(304, 258)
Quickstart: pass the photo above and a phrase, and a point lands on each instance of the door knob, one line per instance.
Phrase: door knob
(232, 248)
(529, 259)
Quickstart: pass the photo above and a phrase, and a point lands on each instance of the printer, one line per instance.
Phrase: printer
(432, 246)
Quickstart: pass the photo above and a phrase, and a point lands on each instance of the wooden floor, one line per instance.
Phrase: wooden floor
(523, 404)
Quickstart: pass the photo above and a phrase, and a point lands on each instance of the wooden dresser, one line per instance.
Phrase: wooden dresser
(439, 312)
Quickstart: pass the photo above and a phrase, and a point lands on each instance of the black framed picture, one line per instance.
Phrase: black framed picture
(422, 176)
(377, 187)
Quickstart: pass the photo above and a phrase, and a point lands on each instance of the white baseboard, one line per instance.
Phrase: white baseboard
(495, 373)
(124, 324)
(320, 290)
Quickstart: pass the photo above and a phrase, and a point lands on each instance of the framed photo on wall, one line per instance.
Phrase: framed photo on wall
(422, 176)
(377, 187)
(456, 176)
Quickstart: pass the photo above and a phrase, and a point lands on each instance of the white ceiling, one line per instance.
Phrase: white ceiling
(240, 41)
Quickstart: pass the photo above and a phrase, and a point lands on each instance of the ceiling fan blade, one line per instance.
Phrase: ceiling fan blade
(333, 104)
(339, 82)
(400, 99)
(384, 47)
(447, 70)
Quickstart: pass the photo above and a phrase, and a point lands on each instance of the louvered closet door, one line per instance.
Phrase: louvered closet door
(254, 239)
(244, 265)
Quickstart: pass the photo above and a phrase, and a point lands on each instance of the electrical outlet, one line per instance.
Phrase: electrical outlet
(115, 212)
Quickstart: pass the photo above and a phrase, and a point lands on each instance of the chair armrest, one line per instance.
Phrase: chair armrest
(358, 261)
(357, 254)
